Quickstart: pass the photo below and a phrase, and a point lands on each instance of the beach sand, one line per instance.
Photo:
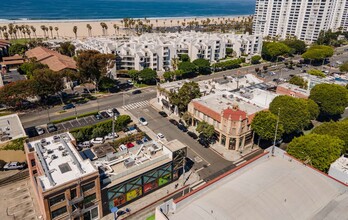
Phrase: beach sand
(66, 26)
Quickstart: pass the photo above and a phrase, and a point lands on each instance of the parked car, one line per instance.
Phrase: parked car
(39, 130)
(130, 145)
(130, 82)
(111, 136)
(192, 134)
(137, 91)
(174, 122)
(68, 106)
(122, 147)
(15, 166)
(98, 117)
(115, 111)
(182, 127)
(51, 127)
(204, 142)
(104, 114)
(145, 140)
(272, 73)
(143, 121)
(163, 114)
(139, 142)
(160, 136)
(98, 140)
(110, 112)
(85, 144)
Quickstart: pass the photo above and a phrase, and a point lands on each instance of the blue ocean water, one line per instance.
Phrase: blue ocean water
(113, 9)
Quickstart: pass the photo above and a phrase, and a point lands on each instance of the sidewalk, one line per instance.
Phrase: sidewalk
(153, 102)
(143, 206)
(231, 155)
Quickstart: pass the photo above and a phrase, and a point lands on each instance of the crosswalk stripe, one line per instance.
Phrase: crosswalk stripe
(136, 105)
(196, 187)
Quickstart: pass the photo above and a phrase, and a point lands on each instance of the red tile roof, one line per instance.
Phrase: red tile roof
(54, 60)
(204, 109)
(235, 115)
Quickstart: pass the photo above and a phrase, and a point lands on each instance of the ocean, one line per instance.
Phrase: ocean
(117, 9)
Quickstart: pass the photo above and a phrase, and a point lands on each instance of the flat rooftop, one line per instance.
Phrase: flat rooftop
(271, 187)
(339, 169)
(256, 96)
(10, 128)
(60, 161)
(220, 101)
(295, 88)
(131, 162)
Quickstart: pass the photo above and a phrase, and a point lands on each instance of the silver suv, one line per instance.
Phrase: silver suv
(15, 166)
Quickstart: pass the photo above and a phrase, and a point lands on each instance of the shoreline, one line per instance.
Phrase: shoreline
(25, 20)
(65, 27)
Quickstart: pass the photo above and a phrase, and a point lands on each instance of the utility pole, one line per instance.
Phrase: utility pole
(113, 127)
(75, 112)
(183, 175)
(275, 133)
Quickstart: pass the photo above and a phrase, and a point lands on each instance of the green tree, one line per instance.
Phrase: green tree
(298, 81)
(29, 67)
(123, 120)
(229, 52)
(316, 72)
(148, 76)
(203, 66)
(336, 129)
(134, 74)
(106, 83)
(189, 91)
(332, 99)
(186, 116)
(187, 68)
(17, 49)
(317, 150)
(13, 94)
(318, 53)
(344, 67)
(92, 65)
(294, 113)
(169, 76)
(184, 58)
(264, 125)
(67, 48)
(47, 82)
(205, 129)
(255, 59)
(272, 50)
(313, 109)
(297, 46)
(80, 136)
(99, 132)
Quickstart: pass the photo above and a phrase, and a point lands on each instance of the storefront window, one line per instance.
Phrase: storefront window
(232, 144)
(223, 140)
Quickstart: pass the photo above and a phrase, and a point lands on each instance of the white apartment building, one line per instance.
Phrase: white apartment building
(156, 50)
(301, 18)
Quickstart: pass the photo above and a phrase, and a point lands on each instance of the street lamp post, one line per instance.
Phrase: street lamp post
(48, 115)
(75, 112)
(275, 133)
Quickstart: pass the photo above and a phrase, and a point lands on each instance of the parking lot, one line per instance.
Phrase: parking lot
(18, 202)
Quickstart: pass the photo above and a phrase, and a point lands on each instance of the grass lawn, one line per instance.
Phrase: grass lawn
(19, 41)
(152, 217)
(140, 85)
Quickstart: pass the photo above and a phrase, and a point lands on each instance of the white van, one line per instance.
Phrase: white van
(98, 140)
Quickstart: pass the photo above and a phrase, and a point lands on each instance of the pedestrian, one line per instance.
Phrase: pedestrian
(167, 191)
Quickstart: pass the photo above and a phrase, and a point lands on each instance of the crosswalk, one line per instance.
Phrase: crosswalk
(198, 184)
(136, 105)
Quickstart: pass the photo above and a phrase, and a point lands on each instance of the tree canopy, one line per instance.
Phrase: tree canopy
(316, 72)
(264, 125)
(205, 129)
(189, 91)
(272, 50)
(337, 129)
(13, 94)
(184, 58)
(332, 99)
(297, 46)
(295, 114)
(67, 48)
(316, 150)
(298, 81)
(318, 52)
(148, 76)
(187, 67)
(29, 67)
(255, 59)
(202, 65)
(344, 67)
(92, 65)
(17, 49)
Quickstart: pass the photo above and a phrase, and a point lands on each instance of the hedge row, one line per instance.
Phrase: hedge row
(17, 144)
(127, 139)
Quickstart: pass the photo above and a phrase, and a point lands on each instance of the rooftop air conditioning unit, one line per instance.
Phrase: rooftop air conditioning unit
(64, 153)
(50, 151)
(54, 156)
(60, 148)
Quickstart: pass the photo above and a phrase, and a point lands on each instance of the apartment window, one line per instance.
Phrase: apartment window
(57, 199)
(73, 193)
(33, 163)
(58, 212)
(88, 186)
(89, 200)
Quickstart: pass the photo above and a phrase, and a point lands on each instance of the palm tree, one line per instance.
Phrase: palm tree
(89, 27)
(156, 22)
(102, 25)
(51, 29)
(34, 30)
(106, 29)
(6, 35)
(56, 29)
(115, 27)
(75, 31)
(43, 28)
(28, 32)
